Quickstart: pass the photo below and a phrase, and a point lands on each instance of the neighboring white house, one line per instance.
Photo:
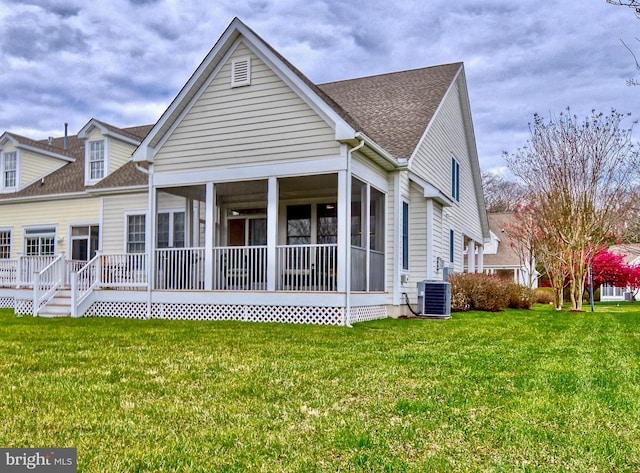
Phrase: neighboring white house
(502, 255)
(258, 195)
(610, 293)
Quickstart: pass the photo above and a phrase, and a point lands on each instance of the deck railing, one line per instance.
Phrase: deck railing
(240, 268)
(123, 271)
(46, 282)
(28, 265)
(179, 269)
(8, 272)
(307, 267)
(83, 281)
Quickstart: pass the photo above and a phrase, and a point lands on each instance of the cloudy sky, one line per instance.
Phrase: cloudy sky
(123, 61)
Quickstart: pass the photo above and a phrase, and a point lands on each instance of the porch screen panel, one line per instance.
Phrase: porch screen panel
(376, 241)
(358, 241)
(327, 223)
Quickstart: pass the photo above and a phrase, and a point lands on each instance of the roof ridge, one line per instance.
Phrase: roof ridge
(383, 74)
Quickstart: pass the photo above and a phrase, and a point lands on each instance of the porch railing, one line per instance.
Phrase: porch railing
(8, 272)
(123, 271)
(240, 268)
(83, 282)
(72, 266)
(179, 269)
(46, 282)
(307, 267)
(28, 265)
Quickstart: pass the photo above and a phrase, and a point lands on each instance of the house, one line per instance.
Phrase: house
(611, 293)
(258, 195)
(503, 255)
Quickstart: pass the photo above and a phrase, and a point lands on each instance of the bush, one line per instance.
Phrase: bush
(477, 291)
(521, 297)
(544, 295)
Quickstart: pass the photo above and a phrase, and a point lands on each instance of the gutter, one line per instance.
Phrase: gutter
(396, 163)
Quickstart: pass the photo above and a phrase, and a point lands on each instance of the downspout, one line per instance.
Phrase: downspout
(347, 269)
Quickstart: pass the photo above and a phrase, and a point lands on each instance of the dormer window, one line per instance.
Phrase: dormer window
(97, 160)
(9, 169)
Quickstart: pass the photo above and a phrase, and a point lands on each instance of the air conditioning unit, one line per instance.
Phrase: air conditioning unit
(434, 299)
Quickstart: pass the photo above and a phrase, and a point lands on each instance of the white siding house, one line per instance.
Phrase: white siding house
(259, 195)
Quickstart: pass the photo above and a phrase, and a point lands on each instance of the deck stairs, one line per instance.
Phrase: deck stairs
(59, 305)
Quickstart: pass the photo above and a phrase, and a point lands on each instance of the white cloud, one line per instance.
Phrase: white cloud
(123, 61)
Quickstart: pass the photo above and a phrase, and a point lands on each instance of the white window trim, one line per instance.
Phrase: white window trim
(240, 82)
(402, 268)
(87, 155)
(171, 213)
(2, 171)
(43, 231)
(125, 227)
(10, 230)
(455, 180)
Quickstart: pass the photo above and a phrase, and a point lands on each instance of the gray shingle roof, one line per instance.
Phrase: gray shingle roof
(394, 109)
(69, 178)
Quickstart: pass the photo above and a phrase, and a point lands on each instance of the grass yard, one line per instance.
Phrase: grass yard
(513, 391)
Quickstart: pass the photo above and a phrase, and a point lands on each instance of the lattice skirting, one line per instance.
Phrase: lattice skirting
(23, 307)
(7, 302)
(250, 313)
(247, 313)
(367, 312)
(128, 310)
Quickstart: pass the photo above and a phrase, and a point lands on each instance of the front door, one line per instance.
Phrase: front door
(84, 242)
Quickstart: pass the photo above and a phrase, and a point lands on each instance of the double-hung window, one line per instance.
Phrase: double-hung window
(96, 160)
(5, 244)
(171, 226)
(136, 233)
(455, 179)
(9, 163)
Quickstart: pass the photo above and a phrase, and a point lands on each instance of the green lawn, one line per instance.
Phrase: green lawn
(513, 391)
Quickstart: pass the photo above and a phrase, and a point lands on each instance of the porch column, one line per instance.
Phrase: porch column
(188, 223)
(272, 233)
(481, 259)
(366, 233)
(471, 256)
(429, 239)
(209, 226)
(150, 239)
(344, 230)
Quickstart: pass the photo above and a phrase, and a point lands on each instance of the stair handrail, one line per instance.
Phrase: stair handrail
(83, 283)
(46, 282)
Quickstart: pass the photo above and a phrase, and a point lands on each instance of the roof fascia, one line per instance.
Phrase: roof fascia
(236, 32)
(430, 191)
(398, 164)
(84, 133)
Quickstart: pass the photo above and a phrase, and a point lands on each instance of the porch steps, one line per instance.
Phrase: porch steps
(59, 306)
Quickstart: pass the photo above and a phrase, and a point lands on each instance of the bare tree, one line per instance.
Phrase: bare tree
(500, 195)
(581, 175)
(635, 5)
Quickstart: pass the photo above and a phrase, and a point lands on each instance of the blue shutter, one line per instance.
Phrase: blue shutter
(452, 246)
(405, 235)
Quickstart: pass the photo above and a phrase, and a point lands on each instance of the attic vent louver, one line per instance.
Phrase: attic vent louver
(241, 71)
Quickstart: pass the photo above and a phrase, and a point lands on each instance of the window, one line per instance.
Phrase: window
(96, 160)
(171, 230)
(327, 223)
(40, 241)
(136, 233)
(9, 169)
(455, 179)
(84, 242)
(452, 246)
(5, 244)
(241, 71)
(405, 235)
(298, 224)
